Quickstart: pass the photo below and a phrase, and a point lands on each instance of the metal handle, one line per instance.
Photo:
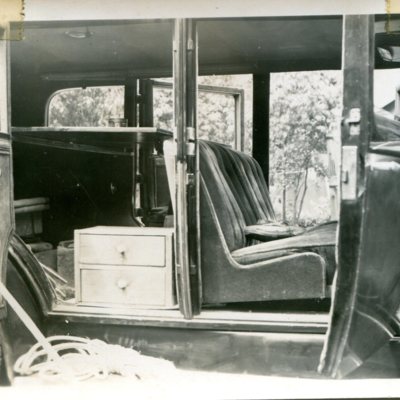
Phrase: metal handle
(122, 283)
(121, 249)
(349, 172)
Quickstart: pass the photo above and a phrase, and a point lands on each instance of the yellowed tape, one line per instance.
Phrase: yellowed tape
(11, 19)
(393, 6)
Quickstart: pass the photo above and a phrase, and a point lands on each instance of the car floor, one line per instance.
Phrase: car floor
(184, 384)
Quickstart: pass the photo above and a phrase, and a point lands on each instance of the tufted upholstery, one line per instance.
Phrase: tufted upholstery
(234, 195)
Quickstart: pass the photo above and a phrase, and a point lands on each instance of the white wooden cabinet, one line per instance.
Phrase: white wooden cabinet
(124, 266)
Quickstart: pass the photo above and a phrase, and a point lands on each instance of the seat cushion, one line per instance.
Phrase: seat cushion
(321, 240)
(272, 231)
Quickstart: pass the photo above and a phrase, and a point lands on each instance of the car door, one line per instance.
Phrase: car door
(187, 250)
(367, 284)
(6, 204)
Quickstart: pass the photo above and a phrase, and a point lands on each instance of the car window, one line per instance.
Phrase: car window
(217, 109)
(305, 112)
(91, 106)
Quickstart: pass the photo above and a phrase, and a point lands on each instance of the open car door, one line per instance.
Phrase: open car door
(6, 212)
(367, 288)
(187, 250)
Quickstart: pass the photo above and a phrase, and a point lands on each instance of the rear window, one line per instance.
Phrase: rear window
(91, 106)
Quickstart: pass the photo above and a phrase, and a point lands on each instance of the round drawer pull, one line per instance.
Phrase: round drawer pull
(122, 283)
(121, 249)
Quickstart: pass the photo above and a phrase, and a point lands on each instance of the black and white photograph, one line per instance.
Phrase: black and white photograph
(200, 199)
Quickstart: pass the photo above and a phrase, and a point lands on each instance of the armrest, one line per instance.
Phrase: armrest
(271, 231)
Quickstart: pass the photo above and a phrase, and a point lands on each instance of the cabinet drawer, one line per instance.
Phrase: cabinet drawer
(122, 250)
(139, 286)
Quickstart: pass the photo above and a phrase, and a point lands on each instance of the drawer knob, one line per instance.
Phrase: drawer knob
(122, 283)
(121, 249)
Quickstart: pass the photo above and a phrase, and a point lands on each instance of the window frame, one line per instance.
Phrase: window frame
(238, 96)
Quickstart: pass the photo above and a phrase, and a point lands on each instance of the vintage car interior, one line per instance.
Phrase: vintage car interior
(86, 177)
(122, 231)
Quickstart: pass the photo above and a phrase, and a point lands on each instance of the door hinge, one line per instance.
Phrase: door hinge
(178, 268)
(190, 179)
(190, 133)
(193, 269)
(190, 149)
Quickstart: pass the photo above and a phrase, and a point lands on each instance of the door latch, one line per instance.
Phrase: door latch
(349, 172)
(353, 121)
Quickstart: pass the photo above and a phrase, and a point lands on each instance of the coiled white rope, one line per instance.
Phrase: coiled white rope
(75, 358)
(85, 359)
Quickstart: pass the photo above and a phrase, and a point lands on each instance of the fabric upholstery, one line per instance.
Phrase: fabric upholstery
(322, 235)
(230, 216)
(234, 195)
(280, 276)
(247, 183)
(320, 240)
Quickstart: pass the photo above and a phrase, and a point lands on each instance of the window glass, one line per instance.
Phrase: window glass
(386, 83)
(163, 107)
(216, 110)
(92, 106)
(216, 114)
(305, 113)
(216, 117)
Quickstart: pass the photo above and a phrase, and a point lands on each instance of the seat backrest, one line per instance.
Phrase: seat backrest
(246, 181)
(223, 201)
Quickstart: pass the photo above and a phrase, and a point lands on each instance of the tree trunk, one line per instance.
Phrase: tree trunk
(296, 197)
(284, 197)
(303, 195)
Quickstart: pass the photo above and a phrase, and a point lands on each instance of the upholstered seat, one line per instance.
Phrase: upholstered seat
(320, 239)
(245, 178)
(234, 195)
